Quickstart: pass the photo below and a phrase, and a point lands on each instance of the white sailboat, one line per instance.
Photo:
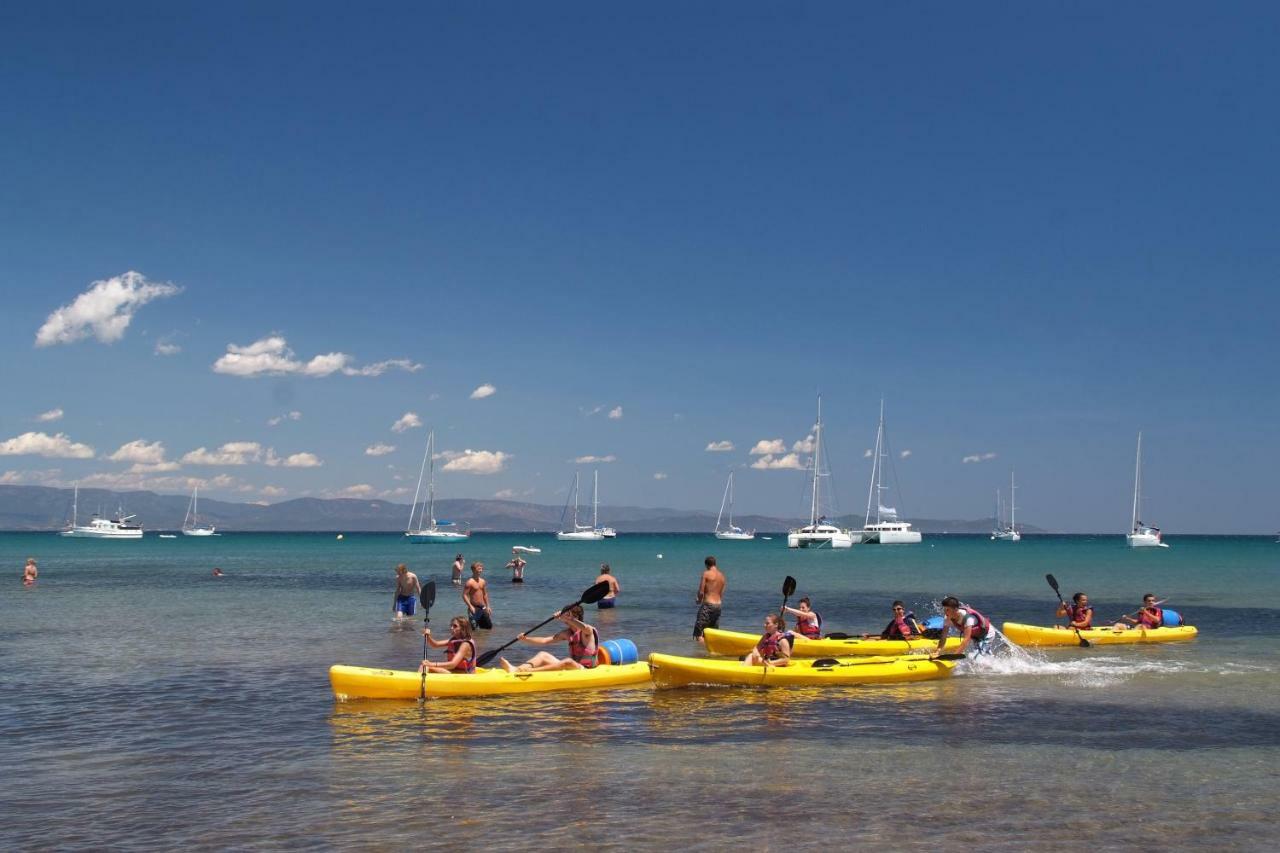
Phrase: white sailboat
(583, 532)
(100, 528)
(732, 531)
(191, 524)
(606, 532)
(430, 530)
(1007, 532)
(818, 533)
(887, 529)
(1141, 535)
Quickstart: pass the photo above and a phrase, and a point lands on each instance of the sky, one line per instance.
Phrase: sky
(265, 248)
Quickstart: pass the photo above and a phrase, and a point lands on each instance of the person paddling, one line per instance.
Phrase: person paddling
(606, 576)
(583, 640)
(1150, 616)
(774, 648)
(976, 630)
(1079, 613)
(407, 591)
(808, 620)
(903, 625)
(460, 649)
(710, 591)
(516, 564)
(475, 594)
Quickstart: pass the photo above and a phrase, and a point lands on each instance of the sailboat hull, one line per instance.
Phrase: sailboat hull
(436, 537)
(820, 539)
(580, 536)
(1145, 540)
(735, 537)
(199, 531)
(1006, 536)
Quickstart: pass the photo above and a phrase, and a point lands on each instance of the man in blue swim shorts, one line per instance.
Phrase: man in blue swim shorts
(407, 591)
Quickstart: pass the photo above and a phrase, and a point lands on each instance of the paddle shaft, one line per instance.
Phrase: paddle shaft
(1053, 582)
(590, 596)
(428, 594)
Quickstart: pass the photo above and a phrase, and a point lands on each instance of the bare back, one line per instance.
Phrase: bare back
(712, 586)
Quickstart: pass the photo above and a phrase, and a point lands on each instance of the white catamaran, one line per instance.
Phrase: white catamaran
(431, 530)
(732, 531)
(191, 524)
(1007, 532)
(818, 533)
(1142, 535)
(100, 528)
(583, 532)
(887, 529)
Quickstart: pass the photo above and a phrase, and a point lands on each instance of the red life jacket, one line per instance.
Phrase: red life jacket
(468, 664)
(581, 652)
(811, 629)
(1076, 613)
(981, 624)
(770, 645)
(1150, 617)
(897, 629)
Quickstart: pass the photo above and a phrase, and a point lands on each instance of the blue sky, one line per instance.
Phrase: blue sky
(1033, 229)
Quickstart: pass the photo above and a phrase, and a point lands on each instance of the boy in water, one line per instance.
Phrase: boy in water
(516, 565)
(475, 594)
(407, 591)
(610, 600)
(709, 598)
(456, 577)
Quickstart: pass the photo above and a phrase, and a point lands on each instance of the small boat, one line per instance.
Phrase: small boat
(430, 530)
(887, 528)
(525, 549)
(583, 532)
(1142, 535)
(721, 642)
(1007, 532)
(168, 536)
(191, 524)
(818, 533)
(733, 531)
(1057, 635)
(675, 671)
(359, 682)
(98, 527)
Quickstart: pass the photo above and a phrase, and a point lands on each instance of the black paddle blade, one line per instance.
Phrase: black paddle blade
(1084, 644)
(837, 635)
(788, 586)
(594, 594)
(951, 657)
(1053, 582)
(428, 599)
(826, 662)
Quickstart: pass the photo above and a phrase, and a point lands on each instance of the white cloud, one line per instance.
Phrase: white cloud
(765, 447)
(288, 416)
(153, 467)
(770, 462)
(104, 310)
(271, 356)
(360, 490)
(720, 447)
(41, 444)
(232, 453)
(485, 390)
(476, 461)
(271, 491)
(48, 476)
(588, 460)
(296, 460)
(806, 444)
(51, 415)
(505, 494)
(140, 451)
(615, 414)
(904, 454)
(866, 454)
(379, 449)
(409, 420)
(978, 457)
(165, 346)
(660, 476)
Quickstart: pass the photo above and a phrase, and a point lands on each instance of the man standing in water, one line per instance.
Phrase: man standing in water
(611, 599)
(710, 590)
(407, 591)
(475, 594)
(516, 564)
(457, 570)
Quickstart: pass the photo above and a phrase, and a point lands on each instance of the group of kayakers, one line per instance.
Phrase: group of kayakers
(1079, 614)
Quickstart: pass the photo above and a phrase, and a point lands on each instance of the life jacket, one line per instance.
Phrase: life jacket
(1150, 617)
(1076, 613)
(981, 624)
(578, 650)
(771, 644)
(468, 664)
(811, 629)
(897, 629)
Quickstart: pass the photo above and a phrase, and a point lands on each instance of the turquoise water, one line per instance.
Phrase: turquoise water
(150, 705)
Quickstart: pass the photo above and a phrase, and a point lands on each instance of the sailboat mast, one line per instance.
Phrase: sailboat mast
(418, 490)
(999, 512)
(728, 488)
(1137, 484)
(575, 500)
(75, 507)
(817, 455)
(730, 500)
(880, 463)
(431, 478)
(595, 499)
(875, 468)
(1013, 504)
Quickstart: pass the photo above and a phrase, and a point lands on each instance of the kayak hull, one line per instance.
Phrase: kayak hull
(675, 671)
(721, 642)
(359, 682)
(1037, 635)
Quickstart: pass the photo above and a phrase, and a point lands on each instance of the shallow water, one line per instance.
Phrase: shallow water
(148, 705)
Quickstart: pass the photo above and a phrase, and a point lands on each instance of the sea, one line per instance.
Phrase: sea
(148, 705)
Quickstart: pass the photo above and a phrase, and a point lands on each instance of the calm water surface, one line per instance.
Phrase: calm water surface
(148, 705)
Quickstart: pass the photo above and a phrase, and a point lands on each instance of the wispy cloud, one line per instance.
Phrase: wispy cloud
(770, 462)
(359, 490)
(504, 494)
(231, 453)
(978, 457)
(408, 421)
(476, 461)
(379, 449)
(47, 476)
(166, 346)
(769, 447)
(589, 459)
(56, 446)
(288, 416)
(866, 454)
(485, 390)
(271, 491)
(140, 451)
(271, 356)
(904, 454)
(104, 310)
(294, 460)
(51, 415)
(660, 475)
(615, 414)
(720, 447)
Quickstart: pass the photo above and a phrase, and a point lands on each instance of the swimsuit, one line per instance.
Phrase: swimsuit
(406, 604)
(481, 618)
(708, 617)
(606, 603)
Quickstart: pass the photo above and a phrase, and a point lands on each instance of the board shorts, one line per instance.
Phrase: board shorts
(708, 617)
(606, 603)
(406, 604)
(517, 579)
(481, 618)
(985, 646)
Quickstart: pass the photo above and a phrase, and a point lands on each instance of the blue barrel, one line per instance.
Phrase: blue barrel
(621, 651)
(933, 623)
(1171, 618)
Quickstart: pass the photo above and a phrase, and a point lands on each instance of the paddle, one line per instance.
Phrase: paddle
(428, 593)
(1053, 582)
(589, 596)
(788, 587)
(1136, 612)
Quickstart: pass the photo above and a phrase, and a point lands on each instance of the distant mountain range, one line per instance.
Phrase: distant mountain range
(44, 508)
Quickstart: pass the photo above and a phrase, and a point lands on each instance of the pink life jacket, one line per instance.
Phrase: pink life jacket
(582, 652)
(1076, 613)
(468, 664)
(1150, 617)
(981, 624)
(811, 629)
(770, 645)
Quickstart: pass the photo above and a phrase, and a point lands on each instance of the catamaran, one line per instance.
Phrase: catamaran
(100, 528)
(583, 532)
(1142, 535)
(191, 524)
(430, 530)
(887, 529)
(818, 533)
(732, 531)
(1007, 532)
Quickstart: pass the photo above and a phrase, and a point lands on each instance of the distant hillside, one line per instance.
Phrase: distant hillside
(43, 508)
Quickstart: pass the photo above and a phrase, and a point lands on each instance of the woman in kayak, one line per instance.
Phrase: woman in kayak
(1079, 613)
(903, 625)
(583, 640)
(1150, 616)
(774, 648)
(976, 630)
(808, 620)
(460, 649)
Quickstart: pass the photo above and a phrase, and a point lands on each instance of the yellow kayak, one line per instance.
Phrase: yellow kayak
(360, 682)
(737, 643)
(675, 671)
(1036, 635)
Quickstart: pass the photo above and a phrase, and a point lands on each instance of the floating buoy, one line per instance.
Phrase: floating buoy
(339, 535)
(659, 556)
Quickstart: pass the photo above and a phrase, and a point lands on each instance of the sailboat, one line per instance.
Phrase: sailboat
(818, 532)
(1009, 532)
(1141, 535)
(100, 528)
(732, 531)
(191, 524)
(430, 530)
(887, 529)
(583, 532)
